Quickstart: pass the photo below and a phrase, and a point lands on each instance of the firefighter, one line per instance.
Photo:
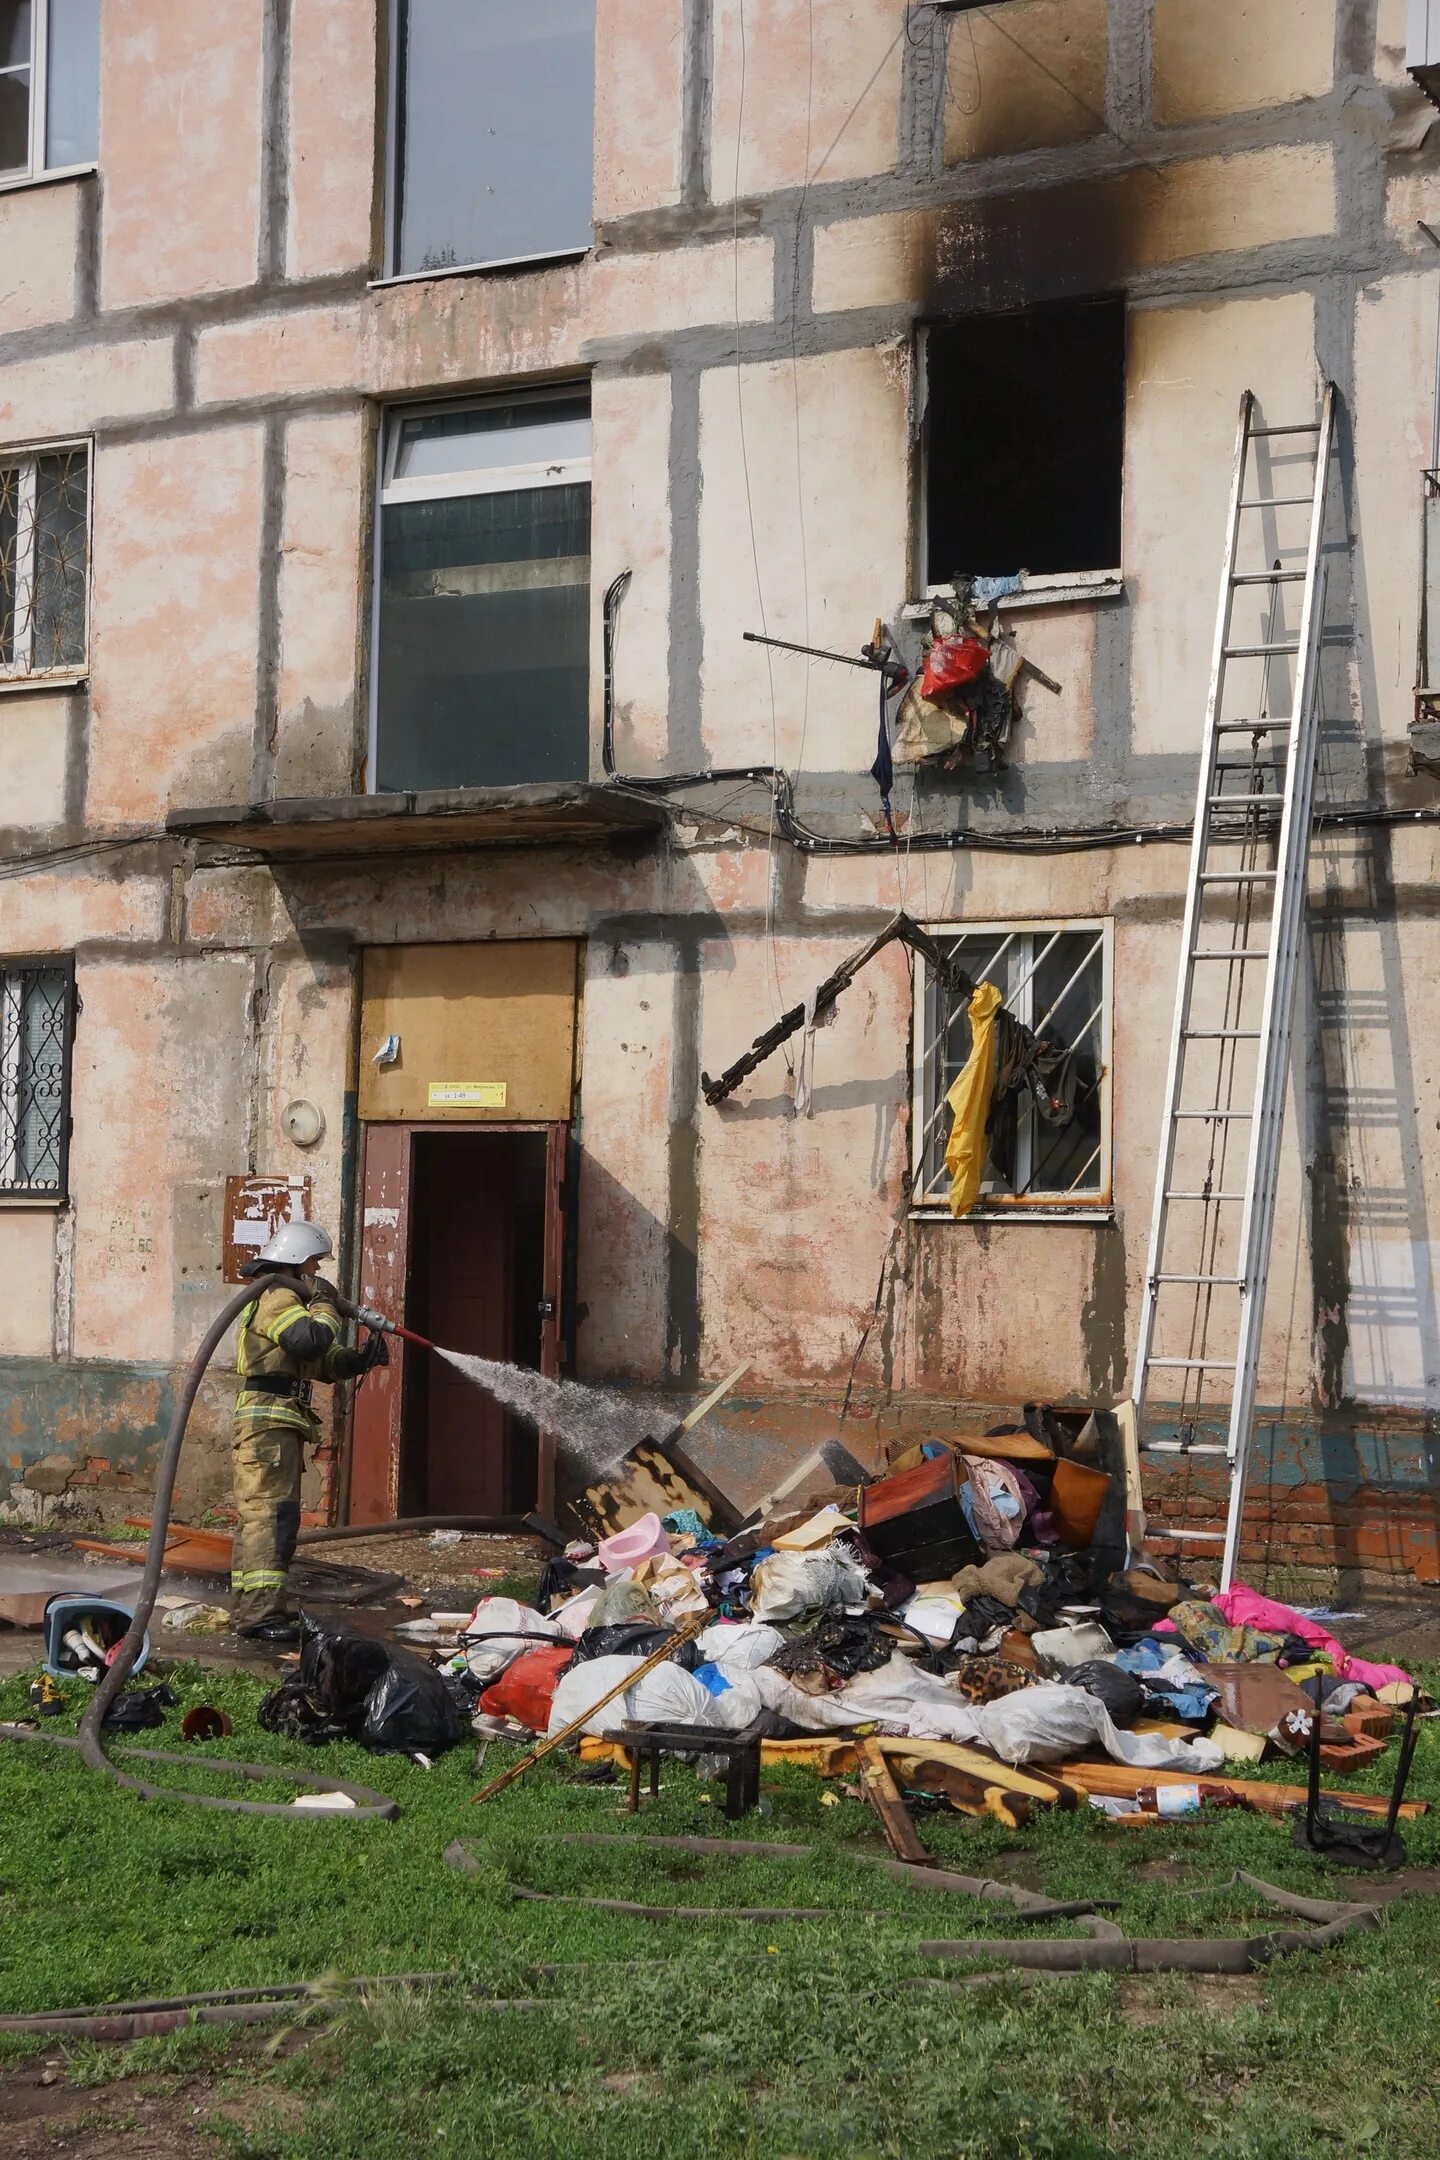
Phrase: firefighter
(284, 1344)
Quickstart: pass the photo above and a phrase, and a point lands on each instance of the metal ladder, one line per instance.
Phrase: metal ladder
(1209, 1254)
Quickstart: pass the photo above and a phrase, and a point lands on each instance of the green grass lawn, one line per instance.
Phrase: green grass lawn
(697, 2038)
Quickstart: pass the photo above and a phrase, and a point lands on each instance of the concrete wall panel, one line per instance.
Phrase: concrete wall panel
(334, 148)
(66, 393)
(37, 251)
(630, 530)
(27, 1282)
(788, 76)
(159, 1079)
(181, 149)
(627, 1048)
(639, 105)
(1394, 349)
(1269, 52)
(34, 753)
(1027, 79)
(797, 1212)
(321, 548)
(1186, 371)
(811, 479)
(177, 529)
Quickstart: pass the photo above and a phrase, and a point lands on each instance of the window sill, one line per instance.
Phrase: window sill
(481, 269)
(1073, 1216)
(16, 183)
(56, 679)
(50, 1203)
(1037, 592)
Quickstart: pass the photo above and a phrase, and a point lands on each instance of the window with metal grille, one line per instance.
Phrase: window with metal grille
(37, 1007)
(1049, 1130)
(44, 561)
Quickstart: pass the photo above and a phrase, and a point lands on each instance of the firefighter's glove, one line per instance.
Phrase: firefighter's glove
(376, 1352)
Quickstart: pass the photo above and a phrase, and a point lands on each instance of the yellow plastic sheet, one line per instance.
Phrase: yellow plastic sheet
(969, 1102)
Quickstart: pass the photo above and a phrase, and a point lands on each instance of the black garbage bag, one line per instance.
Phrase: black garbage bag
(412, 1710)
(138, 1709)
(1120, 1691)
(561, 1579)
(1068, 1580)
(633, 1638)
(351, 1687)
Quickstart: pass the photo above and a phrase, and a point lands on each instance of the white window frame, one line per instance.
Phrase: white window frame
(1054, 588)
(500, 480)
(927, 1102)
(17, 673)
(390, 275)
(36, 169)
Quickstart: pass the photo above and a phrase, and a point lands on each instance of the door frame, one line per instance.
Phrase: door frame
(384, 1232)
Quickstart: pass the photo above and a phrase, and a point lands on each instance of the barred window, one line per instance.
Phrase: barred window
(1049, 1129)
(44, 561)
(37, 1007)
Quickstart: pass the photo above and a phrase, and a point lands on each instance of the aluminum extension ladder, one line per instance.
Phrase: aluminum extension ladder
(1204, 1296)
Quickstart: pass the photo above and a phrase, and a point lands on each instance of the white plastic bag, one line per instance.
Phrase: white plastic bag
(737, 1646)
(507, 1616)
(668, 1695)
(573, 1617)
(1050, 1724)
(788, 1583)
(933, 1615)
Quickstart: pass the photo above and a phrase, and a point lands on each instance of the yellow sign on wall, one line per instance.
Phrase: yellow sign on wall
(466, 1094)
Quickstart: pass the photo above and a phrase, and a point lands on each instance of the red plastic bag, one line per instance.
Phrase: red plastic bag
(526, 1688)
(951, 662)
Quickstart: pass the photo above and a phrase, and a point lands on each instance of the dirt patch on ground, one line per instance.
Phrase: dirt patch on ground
(132, 2119)
(1141, 2003)
(1171, 1871)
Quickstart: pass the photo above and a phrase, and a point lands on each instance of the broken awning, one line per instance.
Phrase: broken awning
(543, 814)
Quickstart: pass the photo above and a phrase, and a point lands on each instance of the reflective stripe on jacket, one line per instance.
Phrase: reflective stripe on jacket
(280, 1339)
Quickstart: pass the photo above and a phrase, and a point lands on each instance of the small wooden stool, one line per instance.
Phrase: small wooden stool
(646, 1741)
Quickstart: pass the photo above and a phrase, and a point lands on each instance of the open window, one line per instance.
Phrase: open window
(1049, 1137)
(492, 115)
(1023, 441)
(482, 675)
(49, 86)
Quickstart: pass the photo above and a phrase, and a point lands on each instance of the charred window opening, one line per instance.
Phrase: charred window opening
(1024, 436)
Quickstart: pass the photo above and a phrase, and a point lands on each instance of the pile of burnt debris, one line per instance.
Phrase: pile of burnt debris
(967, 1629)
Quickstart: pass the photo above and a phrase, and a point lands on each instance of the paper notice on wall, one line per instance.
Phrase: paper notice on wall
(466, 1094)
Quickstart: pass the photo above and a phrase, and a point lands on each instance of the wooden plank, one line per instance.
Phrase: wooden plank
(1045, 1789)
(1117, 1781)
(885, 1797)
(497, 1018)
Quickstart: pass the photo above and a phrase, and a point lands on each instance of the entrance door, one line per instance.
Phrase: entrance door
(462, 1240)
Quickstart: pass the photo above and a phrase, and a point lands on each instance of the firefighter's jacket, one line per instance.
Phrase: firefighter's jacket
(284, 1346)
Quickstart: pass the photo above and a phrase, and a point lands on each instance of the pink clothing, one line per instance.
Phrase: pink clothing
(1246, 1608)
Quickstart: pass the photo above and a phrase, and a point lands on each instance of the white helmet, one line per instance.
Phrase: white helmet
(293, 1244)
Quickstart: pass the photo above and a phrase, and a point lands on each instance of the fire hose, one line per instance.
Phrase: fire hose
(368, 1804)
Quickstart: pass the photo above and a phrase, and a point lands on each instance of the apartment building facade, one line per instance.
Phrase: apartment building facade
(407, 408)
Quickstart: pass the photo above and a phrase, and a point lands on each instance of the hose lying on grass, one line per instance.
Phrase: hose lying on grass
(1107, 1950)
(231, 2006)
(368, 1805)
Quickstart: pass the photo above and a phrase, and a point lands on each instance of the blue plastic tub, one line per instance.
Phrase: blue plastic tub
(107, 1622)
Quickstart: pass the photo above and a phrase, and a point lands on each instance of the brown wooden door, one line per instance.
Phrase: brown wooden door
(378, 1417)
(552, 1324)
